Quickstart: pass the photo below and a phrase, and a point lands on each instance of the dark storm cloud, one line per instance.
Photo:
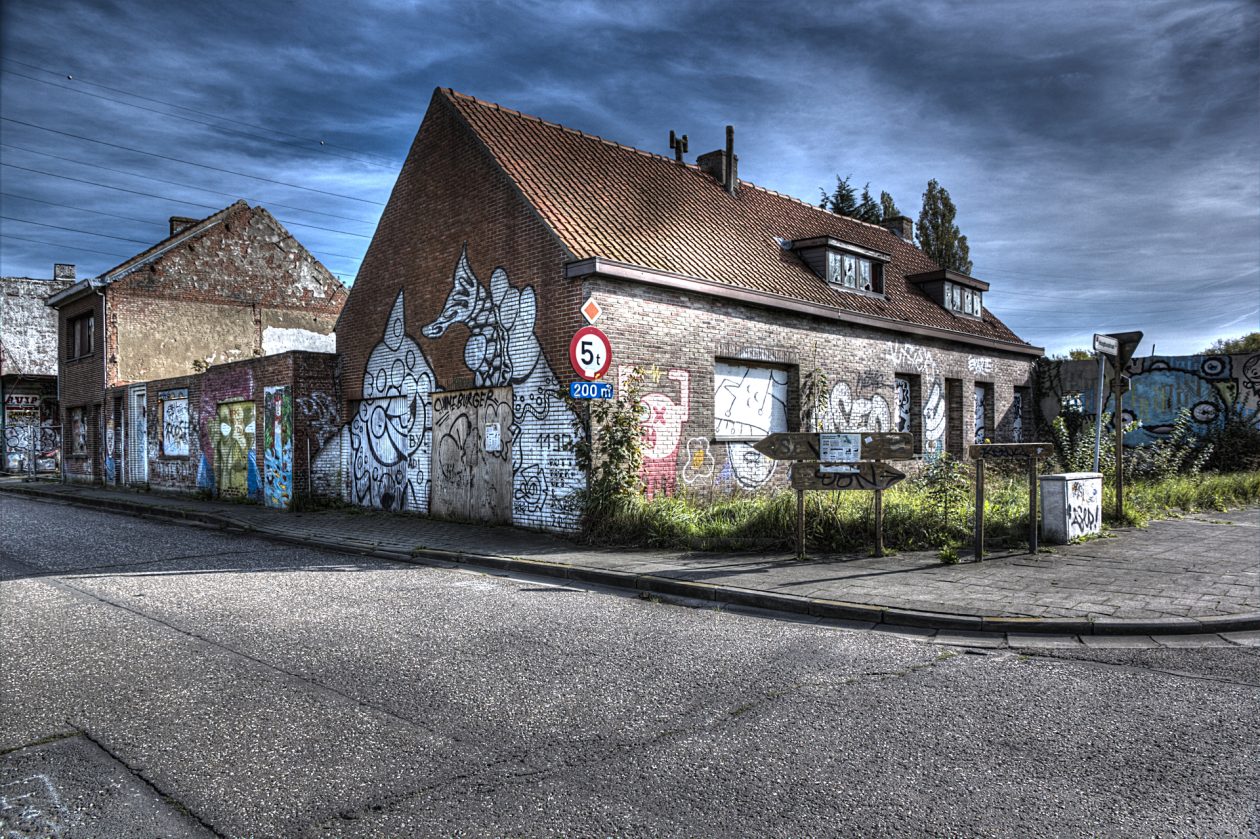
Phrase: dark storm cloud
(1102, 155)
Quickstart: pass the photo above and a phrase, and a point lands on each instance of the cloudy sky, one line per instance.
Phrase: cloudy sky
(1103, 156)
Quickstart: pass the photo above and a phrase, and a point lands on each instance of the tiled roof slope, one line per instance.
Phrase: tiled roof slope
(612, 201)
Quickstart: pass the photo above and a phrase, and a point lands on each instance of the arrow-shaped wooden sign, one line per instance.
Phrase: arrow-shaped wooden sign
(1008, 450)
(865, 475)
(847, 447)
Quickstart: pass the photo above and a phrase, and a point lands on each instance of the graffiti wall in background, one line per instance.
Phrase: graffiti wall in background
(502, 351)
(748, 402)
(173, 422)
(1210, 387)
(32, 440)
(919, 361)
(277, 447)
(666, 409)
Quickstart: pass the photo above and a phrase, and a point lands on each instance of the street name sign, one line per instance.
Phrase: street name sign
(866, 475)
(590, 353)
(1040, 451)
(803, 445)
(1106, 345)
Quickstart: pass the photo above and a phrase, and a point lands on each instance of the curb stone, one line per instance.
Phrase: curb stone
(1036, 630)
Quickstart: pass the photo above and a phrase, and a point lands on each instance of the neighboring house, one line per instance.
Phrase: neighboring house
(1211, 388)
(30, 439)
(734, 299)
(230, 287)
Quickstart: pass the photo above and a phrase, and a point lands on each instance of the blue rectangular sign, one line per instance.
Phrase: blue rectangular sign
(590, 390)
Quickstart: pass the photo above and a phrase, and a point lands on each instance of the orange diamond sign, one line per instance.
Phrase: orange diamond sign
(591, 310)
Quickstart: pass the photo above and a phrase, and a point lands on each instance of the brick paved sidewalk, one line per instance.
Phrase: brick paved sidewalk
(1198, 573)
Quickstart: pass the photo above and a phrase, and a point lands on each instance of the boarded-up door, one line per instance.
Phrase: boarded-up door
(235, 464)
(472, 455)
(137, 437)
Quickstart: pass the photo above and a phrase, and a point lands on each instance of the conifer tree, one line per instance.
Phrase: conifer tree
(867, 209)
(843, 201)
(888, 207)
(938, 235)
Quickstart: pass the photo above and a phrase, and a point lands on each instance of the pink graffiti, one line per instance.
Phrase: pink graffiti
(663, 423)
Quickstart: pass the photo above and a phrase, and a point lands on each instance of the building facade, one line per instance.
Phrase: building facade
(230, 287)
(748, 311)
(30, 425)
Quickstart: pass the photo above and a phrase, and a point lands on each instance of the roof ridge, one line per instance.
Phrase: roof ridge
(160, 247)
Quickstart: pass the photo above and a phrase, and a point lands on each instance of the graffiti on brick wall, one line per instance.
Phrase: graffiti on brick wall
(919, 360)
(846, 412)
(78, 432)
(322, 416)
(173, 412)
(235, 463)
(902, 391)
(391, 432)
(1210, 387)
(222, 436)
(980, 404)
(1017, 417)
(110, 461)
(1084, 508)
(502, 350)
(980, 366)
(28, 442)
(698, 465)
(748, 402)
(666, 409)
(278, 447)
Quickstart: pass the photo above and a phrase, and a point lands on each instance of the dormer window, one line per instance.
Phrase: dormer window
(953, 291)
(846, 267)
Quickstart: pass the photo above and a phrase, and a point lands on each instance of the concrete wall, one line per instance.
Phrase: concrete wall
(1209, 386)
(28, 328)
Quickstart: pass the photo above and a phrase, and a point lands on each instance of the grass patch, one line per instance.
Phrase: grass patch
(843, 522)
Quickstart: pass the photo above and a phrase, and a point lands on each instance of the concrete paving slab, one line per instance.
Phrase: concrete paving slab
(962, 638)
(1119, 642)
(1040, 641)
(1202, 639)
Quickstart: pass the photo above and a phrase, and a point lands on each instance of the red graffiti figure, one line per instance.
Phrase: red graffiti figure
(663, 423)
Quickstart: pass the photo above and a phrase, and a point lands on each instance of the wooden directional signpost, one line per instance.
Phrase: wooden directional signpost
(839, 462)
(1032, 452)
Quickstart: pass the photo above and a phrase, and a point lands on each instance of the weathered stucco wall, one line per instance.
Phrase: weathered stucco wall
(28, 328)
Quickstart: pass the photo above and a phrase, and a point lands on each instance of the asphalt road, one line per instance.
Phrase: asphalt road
(166, 680)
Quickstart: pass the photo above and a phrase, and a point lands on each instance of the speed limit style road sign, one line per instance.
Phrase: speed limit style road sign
(590, 353)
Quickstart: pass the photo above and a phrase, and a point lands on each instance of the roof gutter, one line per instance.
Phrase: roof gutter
(596, 265)
(69, 295)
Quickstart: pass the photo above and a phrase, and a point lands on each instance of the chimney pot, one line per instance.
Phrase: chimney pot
(901, 227)
(179, 223)
(63, 271)
(713, 164)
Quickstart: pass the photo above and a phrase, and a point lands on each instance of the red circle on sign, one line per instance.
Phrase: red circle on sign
(590, 353)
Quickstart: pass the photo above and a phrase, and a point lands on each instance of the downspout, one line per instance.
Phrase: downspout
(104, 383)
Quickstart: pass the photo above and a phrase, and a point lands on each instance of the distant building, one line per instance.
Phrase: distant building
(30, 439)
(738, 302)
(230, 287)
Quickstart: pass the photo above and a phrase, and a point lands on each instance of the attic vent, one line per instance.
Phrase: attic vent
(179, 223)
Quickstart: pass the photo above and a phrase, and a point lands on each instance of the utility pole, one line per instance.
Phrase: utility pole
(1127, 343)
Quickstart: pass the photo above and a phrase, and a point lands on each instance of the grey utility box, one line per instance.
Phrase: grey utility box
(1071, 506)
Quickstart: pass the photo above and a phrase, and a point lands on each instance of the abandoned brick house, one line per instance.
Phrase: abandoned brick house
(30, 438)
(455, 337)
(231, 293)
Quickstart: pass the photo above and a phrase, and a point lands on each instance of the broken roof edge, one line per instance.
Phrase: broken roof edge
(155, 251)
(599, 266)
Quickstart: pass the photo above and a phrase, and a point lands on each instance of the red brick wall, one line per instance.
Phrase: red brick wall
(81, 384)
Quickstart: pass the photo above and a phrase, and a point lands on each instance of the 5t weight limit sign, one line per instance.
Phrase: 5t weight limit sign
(590, 353)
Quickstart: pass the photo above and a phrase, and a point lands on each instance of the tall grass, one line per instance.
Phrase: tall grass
(843, 522)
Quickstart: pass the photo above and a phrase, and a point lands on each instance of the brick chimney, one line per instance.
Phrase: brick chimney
(179, 223)
(63, 271)
(901, 227)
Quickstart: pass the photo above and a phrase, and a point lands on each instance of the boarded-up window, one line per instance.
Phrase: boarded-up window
(749, 401)
(173, 416)
(78, 432)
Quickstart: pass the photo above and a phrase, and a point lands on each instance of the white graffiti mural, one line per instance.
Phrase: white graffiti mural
(698, 467)
(390, 435)
(846, 412)
(1084, 507)
(981, 406)
(502, 350)
(920, 361)
(173, 409)
(749, 403)
(902, 391)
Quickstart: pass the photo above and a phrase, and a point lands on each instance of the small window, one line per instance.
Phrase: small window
(855, 273)
(80, 333)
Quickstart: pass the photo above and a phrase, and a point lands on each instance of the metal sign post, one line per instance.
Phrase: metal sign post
(1104, 345)
(1126, 344)
(1032, 452)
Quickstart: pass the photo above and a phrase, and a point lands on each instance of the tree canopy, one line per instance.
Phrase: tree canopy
(867, 209)
(938, 236)
(888, 207)
(1242, 344)
(843, 201)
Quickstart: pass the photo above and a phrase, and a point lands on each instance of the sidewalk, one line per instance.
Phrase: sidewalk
(1199, 574)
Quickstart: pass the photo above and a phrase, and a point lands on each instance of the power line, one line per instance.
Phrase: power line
(304, 146)
(76, 230)
(164, 198)
(191, 163)
(59, 245)
(193, 110)
(81, 209)
(232, 195)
